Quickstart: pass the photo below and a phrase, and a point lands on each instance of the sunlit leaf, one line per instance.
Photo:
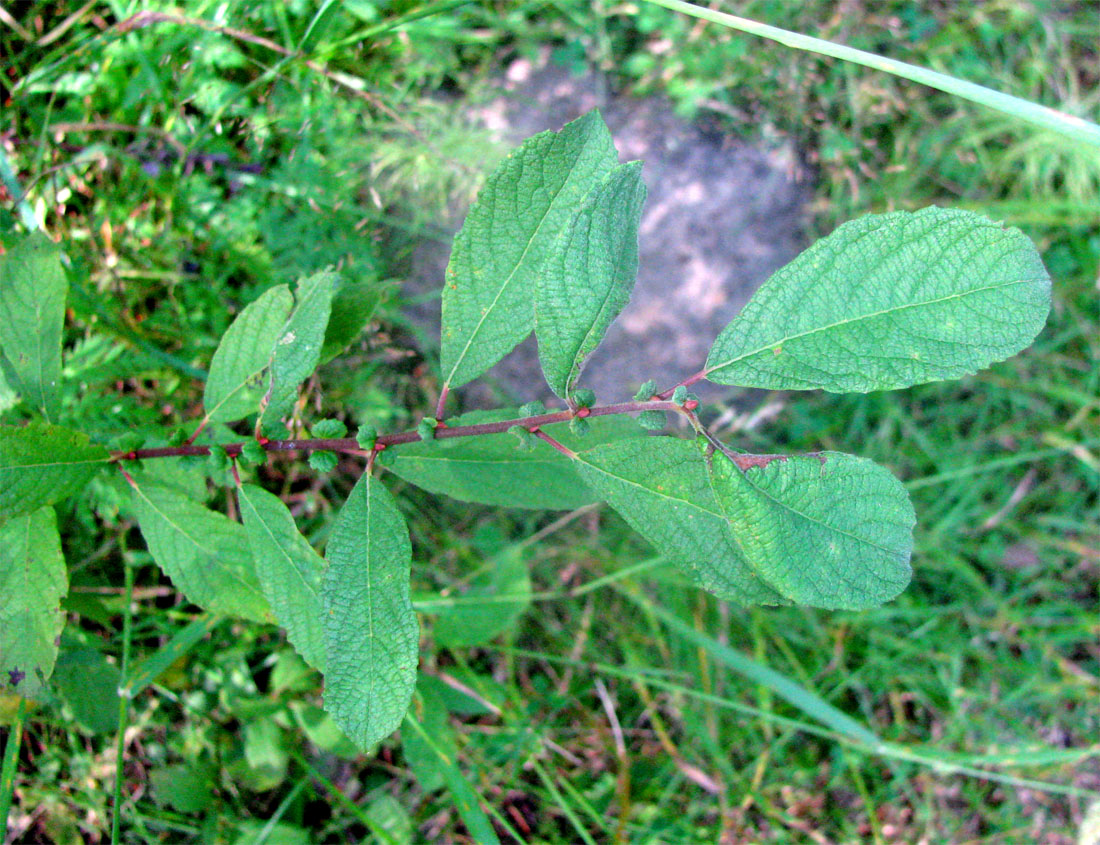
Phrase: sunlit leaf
(888, 301)
(588, 276)
(489, 291)
(827, 530)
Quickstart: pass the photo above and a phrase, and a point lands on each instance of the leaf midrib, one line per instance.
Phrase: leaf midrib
(211, 552)
(783, 340)
(757, 488)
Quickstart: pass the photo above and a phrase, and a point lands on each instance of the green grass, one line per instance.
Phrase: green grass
(624, 706)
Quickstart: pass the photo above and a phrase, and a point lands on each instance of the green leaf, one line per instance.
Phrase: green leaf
(660, 487)
(288, 568)
(202, 551)
(298, 349)
(888, 301)
(490, 605)
(588, 276)
(489, 292)
(33, 289)
(88, 684)
(352, 307)
(41, 464)
(827, 530)
(491, 470)
(235, 384)
(32, 583)
(371, 632)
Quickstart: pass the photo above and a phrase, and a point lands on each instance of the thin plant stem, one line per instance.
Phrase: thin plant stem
(7, 770)
(123, 700)
(350, 445)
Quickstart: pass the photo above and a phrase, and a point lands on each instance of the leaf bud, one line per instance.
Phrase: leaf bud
(426, 428)
(253, 454)
(527, 440)
(646, 391)
(532, 409)
(218, 459)
(584, 397)
(329, 429)
(323, 460)
(366, 437)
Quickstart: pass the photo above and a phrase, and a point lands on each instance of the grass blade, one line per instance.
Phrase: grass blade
(1060, 122)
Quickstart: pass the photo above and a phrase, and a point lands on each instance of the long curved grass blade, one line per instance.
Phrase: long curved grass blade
(1048, 118)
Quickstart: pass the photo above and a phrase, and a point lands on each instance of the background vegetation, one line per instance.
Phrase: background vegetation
(187, 165)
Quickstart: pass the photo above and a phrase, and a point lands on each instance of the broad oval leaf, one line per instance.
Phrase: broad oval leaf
(298, 349)
(888, 301)
(588, 276)
(203, 552)
(828, 530)
(660, 486)
(33, 289)
(492, 470)
(32, 583)
(235, 384)
(41, 464)
(371, 632)
(288, 568)
(489, 292)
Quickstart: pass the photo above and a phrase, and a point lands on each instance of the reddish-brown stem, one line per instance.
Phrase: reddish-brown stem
(349, 445)
(197, 431)
(688, 382)
(546, 438)
(441, 404)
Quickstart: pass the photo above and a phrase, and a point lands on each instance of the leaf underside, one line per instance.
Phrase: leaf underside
(33, 289)
(288, 568)
(371, 632)
(888, 301)
(827, 530)
(660, 487)
(204, 553)
(33, 581)
(236, 383)
(489, 290)
(41, 464)
(491, 470)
